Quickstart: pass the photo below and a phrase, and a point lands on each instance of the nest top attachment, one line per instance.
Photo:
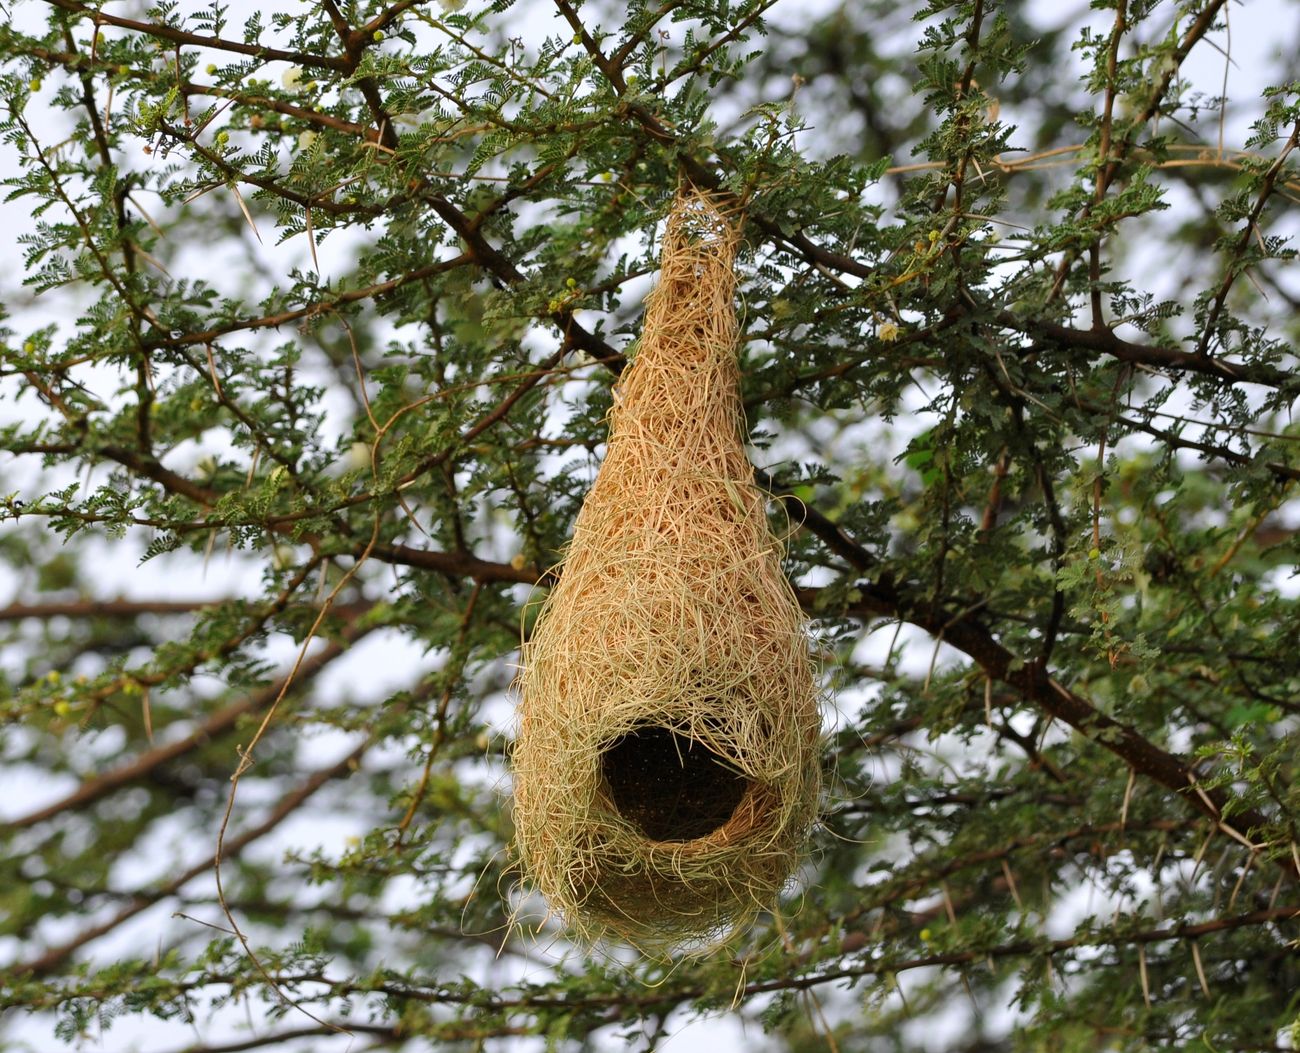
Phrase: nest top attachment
(665, 770)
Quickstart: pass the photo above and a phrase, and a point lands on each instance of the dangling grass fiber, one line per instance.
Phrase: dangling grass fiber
(666, 768)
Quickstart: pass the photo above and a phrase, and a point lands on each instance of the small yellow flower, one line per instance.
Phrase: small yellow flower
(888, 332)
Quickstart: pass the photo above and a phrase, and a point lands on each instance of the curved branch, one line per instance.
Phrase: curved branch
(56, 955)
(218, 723)
(1107, 342)
(274, 1038)
(180, 36)
(95, 608)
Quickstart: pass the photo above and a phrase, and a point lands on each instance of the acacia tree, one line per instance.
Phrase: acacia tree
(321, 309)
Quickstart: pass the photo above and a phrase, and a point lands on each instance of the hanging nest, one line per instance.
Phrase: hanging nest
(665, 771)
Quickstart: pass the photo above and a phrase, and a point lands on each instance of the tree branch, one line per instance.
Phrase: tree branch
(94, 608)
(395, 1033)
(1106, 341)
(288, 804)
(180, 36)
(217, 724)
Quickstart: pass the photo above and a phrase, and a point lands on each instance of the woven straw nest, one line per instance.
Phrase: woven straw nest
(665, 770)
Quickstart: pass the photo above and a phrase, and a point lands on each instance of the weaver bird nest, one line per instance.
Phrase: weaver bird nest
(665, 770)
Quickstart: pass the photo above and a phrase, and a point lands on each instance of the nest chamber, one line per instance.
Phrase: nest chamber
(666, 764)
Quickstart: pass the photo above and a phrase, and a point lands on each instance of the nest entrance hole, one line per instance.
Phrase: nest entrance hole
(669, 785)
